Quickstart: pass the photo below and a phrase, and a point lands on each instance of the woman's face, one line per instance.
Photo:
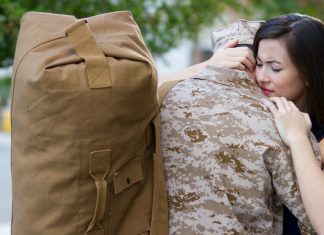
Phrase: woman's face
(276, 74)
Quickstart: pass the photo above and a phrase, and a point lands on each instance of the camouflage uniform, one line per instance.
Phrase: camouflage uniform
(226, 168)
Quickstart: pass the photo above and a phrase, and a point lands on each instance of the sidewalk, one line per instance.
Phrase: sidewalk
(5, 229)
(5, 139)
(5, 182)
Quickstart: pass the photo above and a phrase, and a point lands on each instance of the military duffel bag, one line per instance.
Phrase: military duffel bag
(85, 128)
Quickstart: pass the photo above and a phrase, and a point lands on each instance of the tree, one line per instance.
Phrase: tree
(163, 22)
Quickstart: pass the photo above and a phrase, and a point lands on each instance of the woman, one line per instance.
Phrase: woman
(290, 64)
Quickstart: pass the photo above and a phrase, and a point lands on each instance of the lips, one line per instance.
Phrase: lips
(266, 91)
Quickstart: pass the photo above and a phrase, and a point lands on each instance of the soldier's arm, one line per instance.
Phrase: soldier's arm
(321, 145)
(183, 74)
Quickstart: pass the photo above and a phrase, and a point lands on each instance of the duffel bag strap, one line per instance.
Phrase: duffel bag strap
(81, 39)
(99, 169)
(164, 89)
(159, 223)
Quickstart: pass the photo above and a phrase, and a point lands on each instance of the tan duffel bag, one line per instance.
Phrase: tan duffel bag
(85, 132)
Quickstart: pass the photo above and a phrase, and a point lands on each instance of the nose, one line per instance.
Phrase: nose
(261, 75)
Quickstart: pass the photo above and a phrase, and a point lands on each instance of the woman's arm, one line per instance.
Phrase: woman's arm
(183, 74)
(229, 56)
(294, 128)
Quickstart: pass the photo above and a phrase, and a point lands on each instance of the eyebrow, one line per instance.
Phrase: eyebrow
(270, 61)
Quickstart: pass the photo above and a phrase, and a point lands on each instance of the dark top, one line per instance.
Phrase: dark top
(317, 128)
(290, 223)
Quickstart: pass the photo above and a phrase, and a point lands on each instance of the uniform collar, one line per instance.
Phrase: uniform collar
(227, 77)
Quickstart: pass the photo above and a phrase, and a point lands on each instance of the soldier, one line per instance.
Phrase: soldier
(227, 170)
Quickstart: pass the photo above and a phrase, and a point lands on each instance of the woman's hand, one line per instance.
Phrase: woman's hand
(231, 57)
(227, 57)
(291, 123)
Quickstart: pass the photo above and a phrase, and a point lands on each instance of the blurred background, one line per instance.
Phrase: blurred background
(177, 32)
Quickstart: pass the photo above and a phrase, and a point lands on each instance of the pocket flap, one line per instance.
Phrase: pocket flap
(128, 175)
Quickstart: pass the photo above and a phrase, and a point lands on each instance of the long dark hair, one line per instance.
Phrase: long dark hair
(304, 38)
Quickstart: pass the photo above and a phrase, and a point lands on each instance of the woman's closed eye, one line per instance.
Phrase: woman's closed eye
(276, 69)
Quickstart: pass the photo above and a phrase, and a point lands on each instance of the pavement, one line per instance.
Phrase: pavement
(5, 182)
(5, 229)
(5, 138)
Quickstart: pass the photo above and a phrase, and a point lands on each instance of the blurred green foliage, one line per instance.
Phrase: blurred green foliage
(4, 89)
(163, 22)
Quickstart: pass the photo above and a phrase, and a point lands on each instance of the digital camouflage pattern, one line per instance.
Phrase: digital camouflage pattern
(227, 170)
(243, 30)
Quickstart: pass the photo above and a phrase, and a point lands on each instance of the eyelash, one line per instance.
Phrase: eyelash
(274, 70)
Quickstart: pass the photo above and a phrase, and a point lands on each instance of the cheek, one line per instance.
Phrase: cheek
(289, 88)
(298, 89)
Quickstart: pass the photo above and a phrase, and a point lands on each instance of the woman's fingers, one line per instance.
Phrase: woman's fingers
(279, 103)
(285, 103)
(232, 57)
(307, 118)
(289, 120)
(273, 109)
(293, 106)
(231, 44)
(248, 63)
(244, 56)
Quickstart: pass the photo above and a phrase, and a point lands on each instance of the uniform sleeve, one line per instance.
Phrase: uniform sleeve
(285, 182)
